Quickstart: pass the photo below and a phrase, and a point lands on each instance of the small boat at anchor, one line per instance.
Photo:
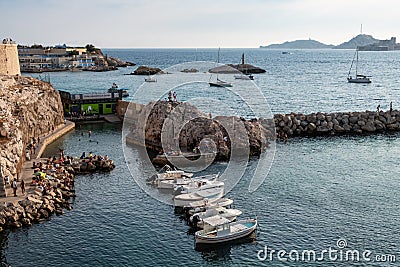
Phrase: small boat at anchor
(199, 183)
(185, 181)
(203, 205)
(169, 177)
(359, 77)
(218, 82)
(212, 194)
(218, 230)
(197, 219)
(186, 159)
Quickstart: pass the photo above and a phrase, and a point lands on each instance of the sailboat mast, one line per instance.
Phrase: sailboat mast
(357, 63)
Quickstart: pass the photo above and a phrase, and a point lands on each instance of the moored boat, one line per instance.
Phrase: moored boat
(218, 230)
(197, 219)
(185, 159)
(203, 205)
(359, 77)
(212, 194)
(199, 183)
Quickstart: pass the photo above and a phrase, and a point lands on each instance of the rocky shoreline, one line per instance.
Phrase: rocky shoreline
(50, 191)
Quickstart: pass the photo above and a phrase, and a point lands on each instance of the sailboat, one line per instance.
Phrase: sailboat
(359, 77)
(219, 83)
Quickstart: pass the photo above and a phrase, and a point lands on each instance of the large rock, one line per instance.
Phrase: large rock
(144, 70)
(169, 121)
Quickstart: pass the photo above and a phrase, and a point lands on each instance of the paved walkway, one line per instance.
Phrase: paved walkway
(27, 171)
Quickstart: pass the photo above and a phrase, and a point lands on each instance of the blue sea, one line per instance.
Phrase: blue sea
(331, 193)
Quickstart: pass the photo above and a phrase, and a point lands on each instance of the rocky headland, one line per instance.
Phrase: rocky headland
(174, 126)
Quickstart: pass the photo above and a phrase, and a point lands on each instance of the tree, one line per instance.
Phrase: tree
(90, 48)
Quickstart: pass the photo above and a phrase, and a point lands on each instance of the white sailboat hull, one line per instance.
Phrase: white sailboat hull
(359, 80)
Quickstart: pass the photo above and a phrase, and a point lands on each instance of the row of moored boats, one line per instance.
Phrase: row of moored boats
(202, 201)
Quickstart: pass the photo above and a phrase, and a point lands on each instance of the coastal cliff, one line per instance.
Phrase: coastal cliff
(28, 108)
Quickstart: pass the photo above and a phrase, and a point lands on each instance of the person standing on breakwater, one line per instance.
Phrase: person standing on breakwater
(169, 96)
(378, 108)
(14, 187)
(390, 107)
(175, 95)
(22, 185)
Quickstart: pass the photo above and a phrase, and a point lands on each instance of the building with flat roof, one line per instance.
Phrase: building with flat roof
(95, 103)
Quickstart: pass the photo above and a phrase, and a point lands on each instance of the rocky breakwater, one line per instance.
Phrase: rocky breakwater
(28, 108)
(35, 208)
(317, 124)
(95, 164)
(170, 126)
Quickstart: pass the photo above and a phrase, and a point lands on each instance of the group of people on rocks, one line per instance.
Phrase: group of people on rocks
(48, 174)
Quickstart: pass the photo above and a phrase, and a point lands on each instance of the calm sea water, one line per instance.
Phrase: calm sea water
(318, 190)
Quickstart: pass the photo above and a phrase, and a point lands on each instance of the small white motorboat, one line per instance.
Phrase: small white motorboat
(150, 80)
(198, 183)
(197, 219)
(203, 205)
(212, 194)
(170, 175)
(218, 230)
(180, 185)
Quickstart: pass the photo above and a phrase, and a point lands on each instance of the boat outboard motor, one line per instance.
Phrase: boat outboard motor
(195, 220)
(178, 190)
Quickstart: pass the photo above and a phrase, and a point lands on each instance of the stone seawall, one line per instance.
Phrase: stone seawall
(318, 124)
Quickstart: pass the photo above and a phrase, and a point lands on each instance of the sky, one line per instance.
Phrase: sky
(194, 23)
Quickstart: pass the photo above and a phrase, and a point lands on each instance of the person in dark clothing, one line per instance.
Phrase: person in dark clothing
(14, 187)
(22, 185)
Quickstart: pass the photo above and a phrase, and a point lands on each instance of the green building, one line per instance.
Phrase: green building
(95, 103)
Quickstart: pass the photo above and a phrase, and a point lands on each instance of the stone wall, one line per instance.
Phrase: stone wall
(9, 63)
(317, 124)
(28, 108)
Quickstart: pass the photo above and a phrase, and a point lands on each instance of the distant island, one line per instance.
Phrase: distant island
(299, 44)
(364, 42)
